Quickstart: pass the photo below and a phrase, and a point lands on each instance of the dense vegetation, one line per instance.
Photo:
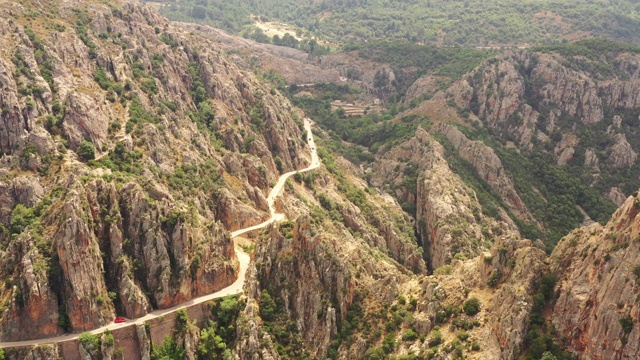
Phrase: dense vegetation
(540, 343)
(217, 337)
(410, 61)
(350, 137)
(453, 62)
(465, 22)
(551, 192)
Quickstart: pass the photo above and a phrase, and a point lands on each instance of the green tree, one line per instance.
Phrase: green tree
(211, 344)
(89, 340)
(471, 306)
(21, 217)
(228, 309)
(168, 351)
(86, 151)
(548, 356)
(267, 306)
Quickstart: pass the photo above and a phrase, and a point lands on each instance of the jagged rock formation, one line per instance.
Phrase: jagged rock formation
(449, 217)
(184, 143)
(489, 167)
(532, 96)
(598, 269)
(185, 146)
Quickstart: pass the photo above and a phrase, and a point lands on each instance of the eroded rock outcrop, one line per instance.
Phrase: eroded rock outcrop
(44, 352)
(489, 167)
(449, 218)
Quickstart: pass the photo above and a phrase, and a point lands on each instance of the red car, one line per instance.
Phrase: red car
(119, 320)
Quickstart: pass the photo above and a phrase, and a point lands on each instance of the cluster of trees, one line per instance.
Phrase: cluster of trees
(539, 343)
(217, 338)
(310, 46)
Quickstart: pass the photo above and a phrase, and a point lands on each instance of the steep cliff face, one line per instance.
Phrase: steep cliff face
(35, 353)
(128, 149)
(489, 167)
(599, 275)
(503, 280)
(449, 217)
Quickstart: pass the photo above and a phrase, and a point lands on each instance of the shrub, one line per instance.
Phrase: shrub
(375, 354)
(169, 350)
(279, 164)
(627, 324)
(108, 340)
(471, 306)
(149, 86)
(435, 339)
(409, 335)
(21, 217)
(267, 306)
(547, 355)
(494, 279)
(463, 335)
(402, 300)
(388, 344)
(89, 340)
(183, 318)
(86, 151)
(444, 270)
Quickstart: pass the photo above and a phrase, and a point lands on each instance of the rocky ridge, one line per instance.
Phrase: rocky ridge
(139, 227)
(598, 271)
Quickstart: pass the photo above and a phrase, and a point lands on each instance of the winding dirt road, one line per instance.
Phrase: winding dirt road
(235, 288)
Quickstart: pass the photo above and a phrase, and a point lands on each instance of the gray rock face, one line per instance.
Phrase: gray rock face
(87, 118)
(15, 123)
(27, 190)
(448, 216)
(622, 154)
(591, 160)
(566, 156)
(530, 95)
(617, 196)
(313, 278)
(145, 343)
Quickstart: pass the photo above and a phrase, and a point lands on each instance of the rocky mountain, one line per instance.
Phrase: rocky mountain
(598, 268)
(340, 293)
(129, 148)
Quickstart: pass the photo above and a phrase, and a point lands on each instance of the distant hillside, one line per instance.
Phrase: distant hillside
(464, 22)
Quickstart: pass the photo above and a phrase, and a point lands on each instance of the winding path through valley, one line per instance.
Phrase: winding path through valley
(235, 288)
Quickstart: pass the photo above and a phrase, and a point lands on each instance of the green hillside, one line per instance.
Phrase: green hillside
(464, 22)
